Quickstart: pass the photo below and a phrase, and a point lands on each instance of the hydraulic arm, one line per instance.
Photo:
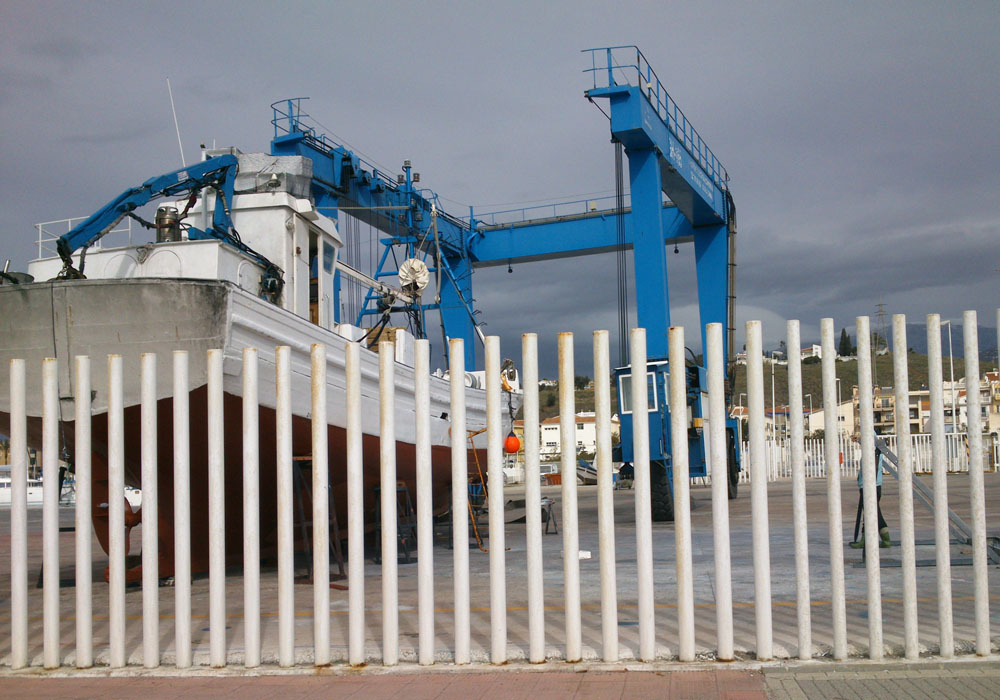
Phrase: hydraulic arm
(217, 174)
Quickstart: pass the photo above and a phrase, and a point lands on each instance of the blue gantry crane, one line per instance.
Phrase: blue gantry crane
(679, 193)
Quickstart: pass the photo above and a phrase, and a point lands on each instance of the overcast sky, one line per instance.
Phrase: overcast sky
(861, 139)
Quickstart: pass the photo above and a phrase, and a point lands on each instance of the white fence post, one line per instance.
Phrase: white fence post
(871, 536)
(720, 497)
(182, 512)
(150, 510)
(758, 491)
(286, 536)
(425, 509)
(571, 533)
(18, 517)
(251, 510)
(494, 472)
(533, 500)
(605, 496)
(116, 511)
(942, 535)
(355, 510)
(387, 451)
(800, 520)
(643, 512)
(216, 513)
(682, 499)
(977, 493)
(904, 454)
(82, 515)
(459, 500)
(50, 513)
(320, 509)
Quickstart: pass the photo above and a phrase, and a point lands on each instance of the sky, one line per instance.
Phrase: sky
(861, 139)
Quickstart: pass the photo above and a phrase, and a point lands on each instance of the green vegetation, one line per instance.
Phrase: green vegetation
(847, 372)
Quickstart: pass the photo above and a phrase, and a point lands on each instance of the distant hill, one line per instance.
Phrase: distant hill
(916, 340)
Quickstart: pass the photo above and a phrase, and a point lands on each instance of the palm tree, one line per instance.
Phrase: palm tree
(4, 451)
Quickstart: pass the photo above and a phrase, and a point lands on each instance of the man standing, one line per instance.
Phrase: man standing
(883, 527)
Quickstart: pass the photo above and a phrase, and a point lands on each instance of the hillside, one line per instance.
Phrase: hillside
(812, 383)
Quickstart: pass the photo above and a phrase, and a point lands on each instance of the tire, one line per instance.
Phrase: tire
(734, 468)
(661, 497)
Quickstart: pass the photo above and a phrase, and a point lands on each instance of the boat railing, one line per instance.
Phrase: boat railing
(49, 232)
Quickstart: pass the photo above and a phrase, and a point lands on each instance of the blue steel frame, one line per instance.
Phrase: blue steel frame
(666, 156)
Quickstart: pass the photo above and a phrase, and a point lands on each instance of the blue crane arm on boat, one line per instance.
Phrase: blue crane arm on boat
(218, 173)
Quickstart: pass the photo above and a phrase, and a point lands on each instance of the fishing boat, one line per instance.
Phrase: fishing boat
(245, 260)
(34, 491)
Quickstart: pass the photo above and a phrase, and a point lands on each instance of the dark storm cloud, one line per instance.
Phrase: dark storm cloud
(861, 139)
(66, 52)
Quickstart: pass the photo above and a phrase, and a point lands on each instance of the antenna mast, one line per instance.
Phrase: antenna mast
(176, 126)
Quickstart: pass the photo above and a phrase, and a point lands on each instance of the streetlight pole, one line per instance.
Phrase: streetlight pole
(951, 363)
(774, 413)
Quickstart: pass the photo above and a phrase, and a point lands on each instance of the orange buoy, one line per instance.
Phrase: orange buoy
(511, 445)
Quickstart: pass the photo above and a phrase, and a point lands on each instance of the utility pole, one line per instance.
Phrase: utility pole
(951, 363)
(880, 337)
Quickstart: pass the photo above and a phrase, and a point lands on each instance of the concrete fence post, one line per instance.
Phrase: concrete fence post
(285, 487)
(570, 530)
(387, 461)
(904, 454)
(18, 517)
(533, 500)
(643, 512)
(758, 491)
(494, 472)
(942, 533)
(116, 511)
(150, 509)
(216, 513)
(459, 500)
(867, 430)
(182, 512)
(355, 510)
(977, 492)
(682, 498)
(720, 496)
(50, 513)
(83, 515)
(605, 497)
(800, 521)
(425, 507)
(320, 508)
(251, 510)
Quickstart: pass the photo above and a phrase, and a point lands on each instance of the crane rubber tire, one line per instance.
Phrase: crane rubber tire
(661, 497)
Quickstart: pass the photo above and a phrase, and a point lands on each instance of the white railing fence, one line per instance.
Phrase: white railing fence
(779, 455)
(795, 457)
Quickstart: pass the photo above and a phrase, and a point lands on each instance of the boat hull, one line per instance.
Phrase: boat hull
(67, 318)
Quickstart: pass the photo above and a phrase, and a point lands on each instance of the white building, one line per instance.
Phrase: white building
(845, 419)
(813, 351)
(586, 434)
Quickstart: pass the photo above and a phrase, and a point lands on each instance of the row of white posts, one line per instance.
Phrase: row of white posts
(570, 531)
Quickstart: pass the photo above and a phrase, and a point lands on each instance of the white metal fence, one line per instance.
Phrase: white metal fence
(779, 455)
(456, 627)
